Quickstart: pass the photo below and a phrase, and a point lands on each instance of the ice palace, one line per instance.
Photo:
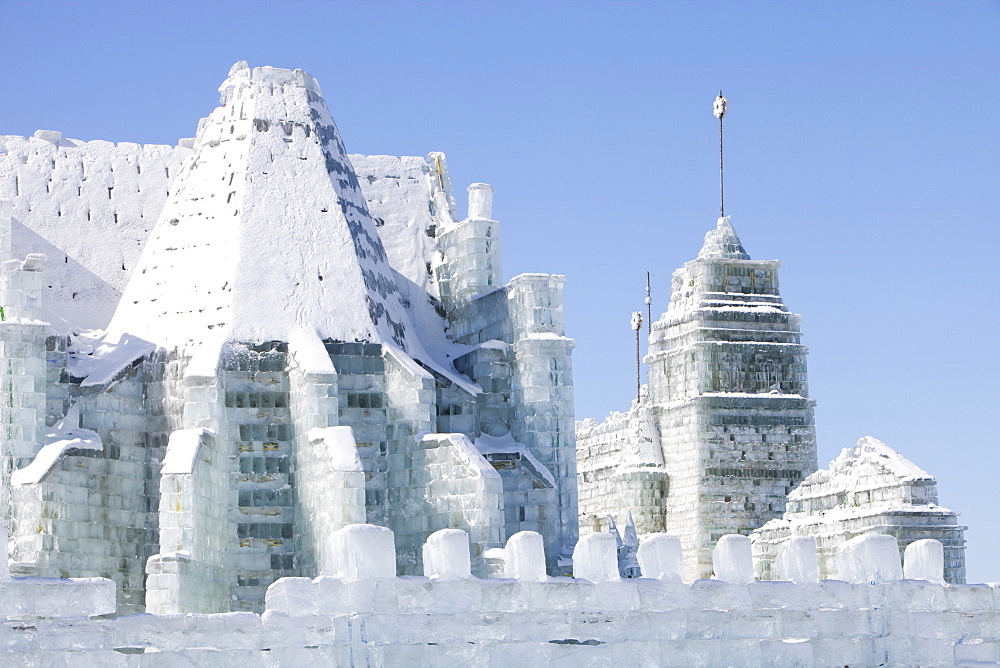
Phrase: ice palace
(352, 442)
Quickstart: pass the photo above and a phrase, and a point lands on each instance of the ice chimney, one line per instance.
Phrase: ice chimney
(481, 201)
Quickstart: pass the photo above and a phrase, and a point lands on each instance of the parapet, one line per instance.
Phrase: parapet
(363, 616)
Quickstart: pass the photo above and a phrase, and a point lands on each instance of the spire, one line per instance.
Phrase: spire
(722, 242)
(631, 537)
(719, 109)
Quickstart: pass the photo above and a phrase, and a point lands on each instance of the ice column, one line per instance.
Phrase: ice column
(481, 201)
(869, 559)
(361, 552)
(596, 558)
(4, 557)
(21, 287)
(732, 559)
(797, 560)
(446, 555)
(524, 556)
(660, 556)
(924, 560)
(6, 207)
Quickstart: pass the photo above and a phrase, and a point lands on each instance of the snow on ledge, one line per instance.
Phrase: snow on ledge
(58, 442)
(108, 360)
(466, 449)
(309, 352)
(182, 450)
(488, 445)
(341, 449)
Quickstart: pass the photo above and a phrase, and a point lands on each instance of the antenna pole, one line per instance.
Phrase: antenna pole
(719, 109)
(637, 325)
(649, 308)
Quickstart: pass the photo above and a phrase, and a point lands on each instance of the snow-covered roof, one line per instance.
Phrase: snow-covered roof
(869, 465)
(265, 231)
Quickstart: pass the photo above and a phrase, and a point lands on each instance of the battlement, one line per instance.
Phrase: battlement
(361, 614)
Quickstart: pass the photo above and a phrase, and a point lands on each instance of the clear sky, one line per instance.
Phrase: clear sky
(861, 149)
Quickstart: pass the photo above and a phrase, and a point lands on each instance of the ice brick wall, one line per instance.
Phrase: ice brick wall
(416, 621)
(22, 399)
(620, 471)
(521, 358)
(867, 489)
(727, 383)
(449, 485)
(23, 369)
(361, 405)
(192, 572)
(89, 515)
(530, 496)
(542, 392)
(66, 193)
(264, 465)
(330, 480)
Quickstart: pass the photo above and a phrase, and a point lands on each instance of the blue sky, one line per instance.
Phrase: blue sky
(861, 150)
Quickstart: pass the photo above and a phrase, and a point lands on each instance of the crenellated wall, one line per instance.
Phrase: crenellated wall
(363, 615)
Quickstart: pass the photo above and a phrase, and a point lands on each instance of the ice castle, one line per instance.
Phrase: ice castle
(251, 373)
(295, 340)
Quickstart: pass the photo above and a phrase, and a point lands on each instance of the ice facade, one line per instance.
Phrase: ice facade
(294, 340)
(868, 488)
(356, 611)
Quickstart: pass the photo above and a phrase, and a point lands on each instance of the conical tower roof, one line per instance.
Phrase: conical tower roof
(265, 231)
(722, 243)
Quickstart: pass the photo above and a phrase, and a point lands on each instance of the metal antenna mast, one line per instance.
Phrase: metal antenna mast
(649, 308)
(719, 109)
(637, 325)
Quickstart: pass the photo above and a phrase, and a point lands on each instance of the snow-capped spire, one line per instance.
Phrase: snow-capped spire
(723, 243)
(631, 537)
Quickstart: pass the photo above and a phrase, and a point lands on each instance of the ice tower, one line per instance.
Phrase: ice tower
(724, 430)
(307, 339)
(727, 389)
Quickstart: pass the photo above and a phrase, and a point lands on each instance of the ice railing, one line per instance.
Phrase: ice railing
(362, 577)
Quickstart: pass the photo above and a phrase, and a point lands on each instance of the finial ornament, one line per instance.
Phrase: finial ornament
(719, 108)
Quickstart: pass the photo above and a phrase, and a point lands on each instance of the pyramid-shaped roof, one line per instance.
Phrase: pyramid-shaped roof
(722, 243)
(868, 465)
(265, 231)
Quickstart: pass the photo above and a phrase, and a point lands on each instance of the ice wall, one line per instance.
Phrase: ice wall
(620, 470)
(361, 614)
(89, 207)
